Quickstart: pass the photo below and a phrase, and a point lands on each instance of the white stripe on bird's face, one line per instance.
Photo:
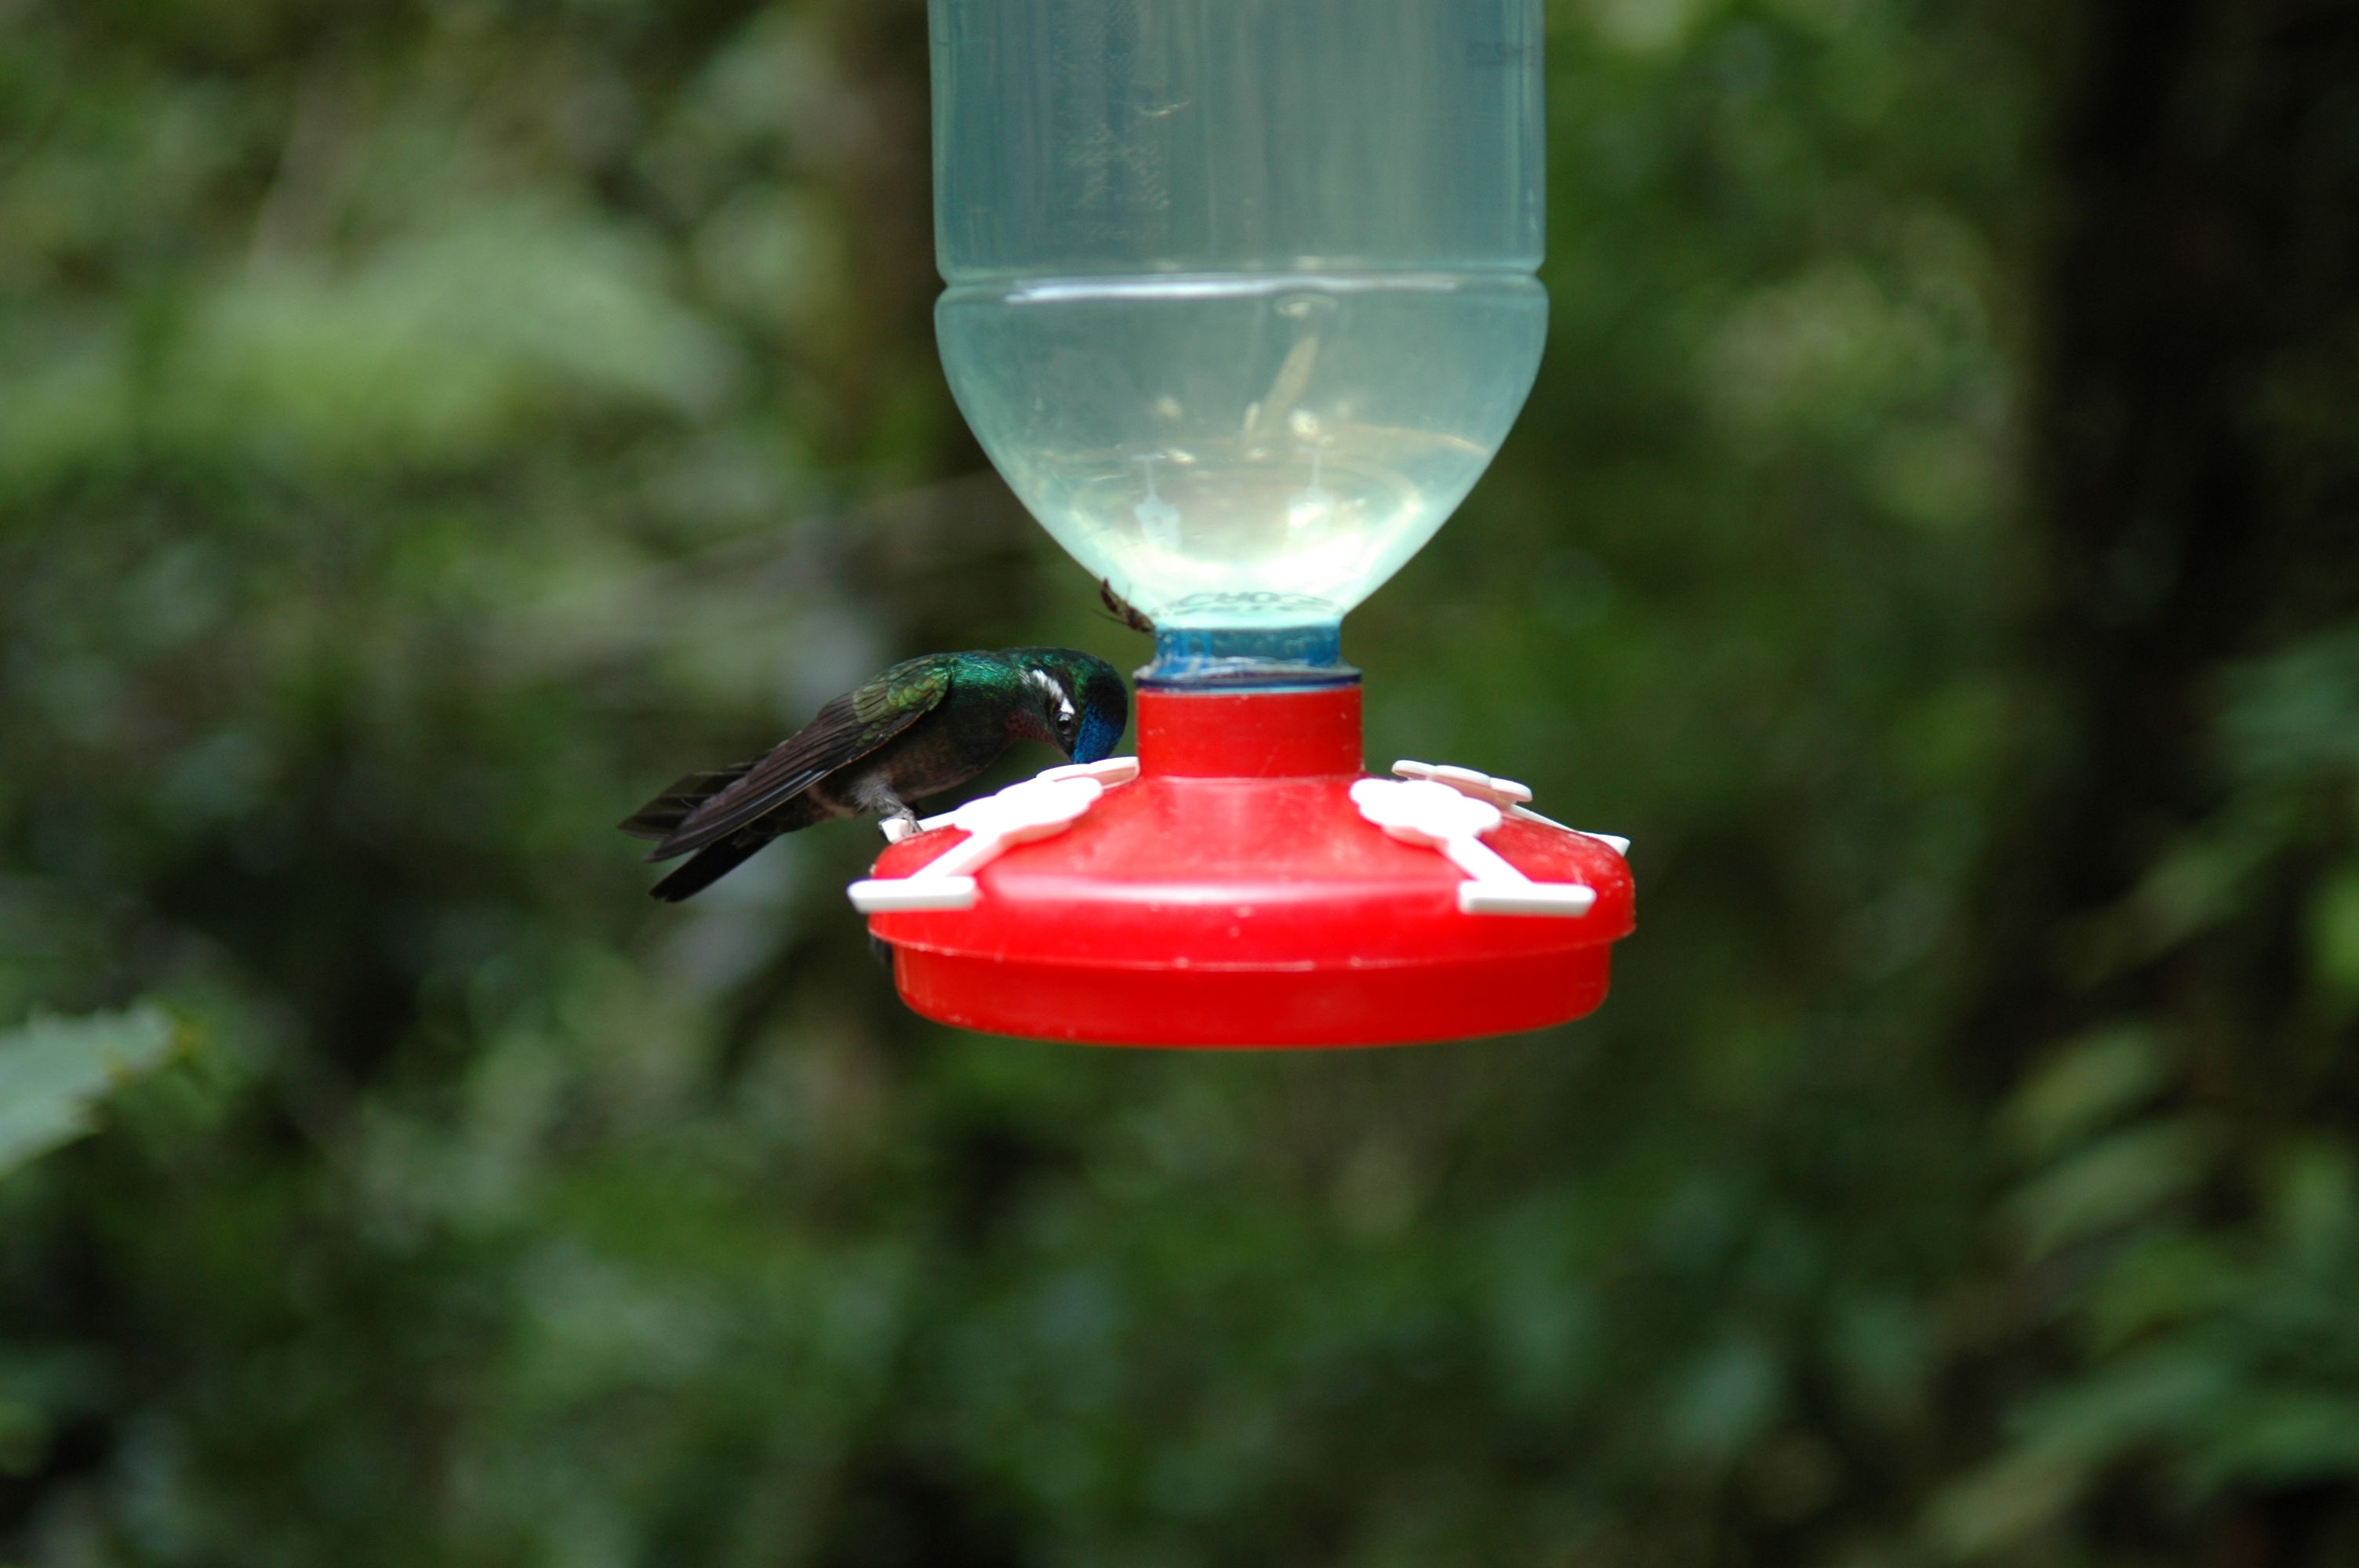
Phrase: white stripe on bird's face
(1057, 693)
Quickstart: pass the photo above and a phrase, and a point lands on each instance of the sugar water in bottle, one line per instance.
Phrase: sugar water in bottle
(1241, 298)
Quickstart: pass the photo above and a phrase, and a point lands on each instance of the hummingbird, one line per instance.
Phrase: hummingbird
(924, 726)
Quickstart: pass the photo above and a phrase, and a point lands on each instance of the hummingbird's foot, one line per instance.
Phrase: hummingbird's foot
(899, 826)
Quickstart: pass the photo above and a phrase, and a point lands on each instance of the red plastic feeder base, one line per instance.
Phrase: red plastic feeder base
(1234, 895)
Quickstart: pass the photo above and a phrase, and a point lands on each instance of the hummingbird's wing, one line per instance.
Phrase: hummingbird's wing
(845, 730)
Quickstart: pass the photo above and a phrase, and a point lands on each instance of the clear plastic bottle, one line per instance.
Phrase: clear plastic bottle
(1241, 298)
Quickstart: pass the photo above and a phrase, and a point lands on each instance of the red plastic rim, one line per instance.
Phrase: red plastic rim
(1232, 895)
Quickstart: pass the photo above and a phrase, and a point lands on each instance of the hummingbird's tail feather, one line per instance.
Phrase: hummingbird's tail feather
(712, 863)
(710, 866)
(658, 818)
(795, 816)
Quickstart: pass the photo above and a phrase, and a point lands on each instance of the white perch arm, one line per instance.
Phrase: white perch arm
(1037, 808)
(1509, 796)
(1107, 770)
(1424, 811)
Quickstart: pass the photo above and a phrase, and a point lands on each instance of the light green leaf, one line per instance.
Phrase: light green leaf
(2068, 1438)
(2335, 934)
(2314, 1205)
(54, 1071)
(2002, 1503)
(2087, 1083)
(2111, 1183)
(440, 345)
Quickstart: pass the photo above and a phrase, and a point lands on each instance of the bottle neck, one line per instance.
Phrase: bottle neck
(1263, 658)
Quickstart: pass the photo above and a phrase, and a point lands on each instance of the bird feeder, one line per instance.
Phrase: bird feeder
(1241, 304)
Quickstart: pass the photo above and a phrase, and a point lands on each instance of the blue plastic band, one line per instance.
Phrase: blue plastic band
(1259, 656)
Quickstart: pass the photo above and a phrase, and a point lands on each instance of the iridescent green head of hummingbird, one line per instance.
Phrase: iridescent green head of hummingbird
(922, 727)
(1082, 699)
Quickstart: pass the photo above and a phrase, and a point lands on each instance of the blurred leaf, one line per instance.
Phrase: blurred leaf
(55, 1071)
(2283, 1439)
(2068, 1435)
(2162, 1281)
(2002, 1504)
(2334, 936)
(2315, 1205)
(2119, 1179)
(1879, 1346)
(2299, 710)
(436, 347)
(1724, 1401)
(2089, 1082)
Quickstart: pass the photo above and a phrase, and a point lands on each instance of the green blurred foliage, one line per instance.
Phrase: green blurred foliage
(54, 1071)
(2187, 1205)
(427, 425)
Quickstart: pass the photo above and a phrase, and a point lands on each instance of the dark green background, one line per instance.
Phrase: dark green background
(427, 425)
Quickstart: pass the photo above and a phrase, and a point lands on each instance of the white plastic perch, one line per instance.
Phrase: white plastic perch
(1422, 811)
(1107, 770)
(993, 823)
(1509, 796)
(1037, 808)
